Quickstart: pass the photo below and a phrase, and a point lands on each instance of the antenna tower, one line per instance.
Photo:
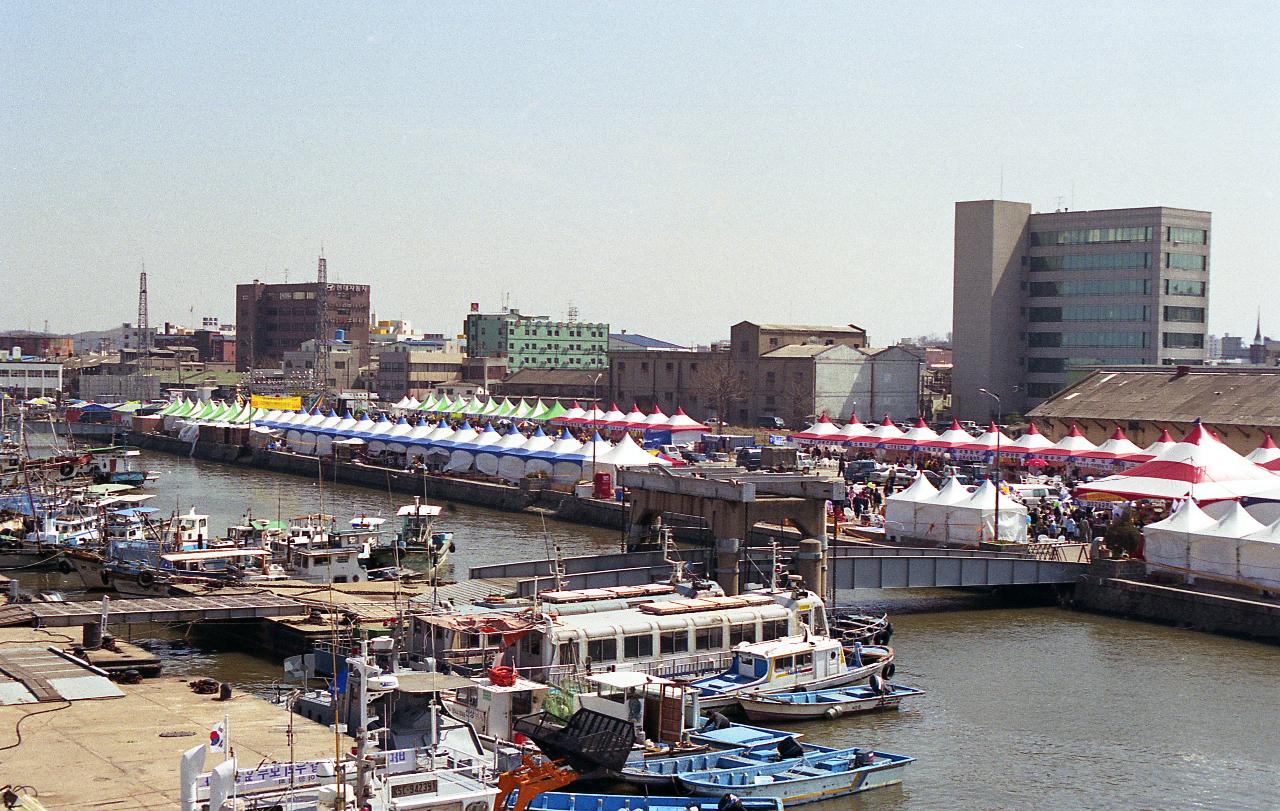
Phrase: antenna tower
(322, 325)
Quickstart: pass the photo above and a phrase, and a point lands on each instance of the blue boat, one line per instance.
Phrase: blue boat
(809, 779)
(809, 705)
(563, 801)
(663, 772)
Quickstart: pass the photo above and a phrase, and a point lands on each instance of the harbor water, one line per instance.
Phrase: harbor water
(1025, 707)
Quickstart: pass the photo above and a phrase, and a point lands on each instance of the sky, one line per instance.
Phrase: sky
(671, 168)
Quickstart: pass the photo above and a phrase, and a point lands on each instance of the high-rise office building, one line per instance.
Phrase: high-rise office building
(1038, 294)
(272, 319)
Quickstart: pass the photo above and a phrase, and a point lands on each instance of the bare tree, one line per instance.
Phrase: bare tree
(722, 384)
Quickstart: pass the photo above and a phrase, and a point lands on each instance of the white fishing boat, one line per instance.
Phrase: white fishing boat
(806, 661)
(820, 776)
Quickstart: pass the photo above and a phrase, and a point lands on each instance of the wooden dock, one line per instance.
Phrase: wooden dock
(256, 605)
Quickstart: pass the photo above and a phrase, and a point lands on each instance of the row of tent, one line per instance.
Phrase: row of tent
(1074, 447)
(510, 455)
(953, 514)
(1236, 545)
(211, 411)
(554, 414)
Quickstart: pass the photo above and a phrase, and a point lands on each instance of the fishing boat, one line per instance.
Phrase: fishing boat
(564, 801)
(810, 705)
(118, 465)
(812, 778)
(662, 773)
(416, 536)
(807, 661)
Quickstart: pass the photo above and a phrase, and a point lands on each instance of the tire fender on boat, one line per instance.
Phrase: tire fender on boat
(67, 470)
(888, 671)
(105, 577)
(146, 579)
(64, 566)
(834, 712)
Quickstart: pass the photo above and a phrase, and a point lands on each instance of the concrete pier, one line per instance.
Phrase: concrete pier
(123, 752)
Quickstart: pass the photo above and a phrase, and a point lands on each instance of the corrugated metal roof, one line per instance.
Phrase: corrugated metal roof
(850, 328)
(1244, 397)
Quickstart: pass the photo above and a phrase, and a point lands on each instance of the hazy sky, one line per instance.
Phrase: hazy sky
(670, 168)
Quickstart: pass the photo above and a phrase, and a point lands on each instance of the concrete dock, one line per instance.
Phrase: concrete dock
(122, 753)
(125, 656)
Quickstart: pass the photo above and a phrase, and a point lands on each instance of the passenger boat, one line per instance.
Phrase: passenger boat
(811, 778)
(809, 705)
(564, 801)
(805, 661)
(117, 465)
(415, 537)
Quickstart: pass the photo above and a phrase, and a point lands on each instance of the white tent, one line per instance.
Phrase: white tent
(901, 508)
(487, 460)
(931, 515)
(1260, 557)
(853, 428)
(576, 465)
(1168, 542)
(974, 521)
(628, 454)
(463, 454)
(1215, 549)
(1264, 453)
(544, 460)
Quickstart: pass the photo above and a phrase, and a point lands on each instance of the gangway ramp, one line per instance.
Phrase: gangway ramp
(153, 609)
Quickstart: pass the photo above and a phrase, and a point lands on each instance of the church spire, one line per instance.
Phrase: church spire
(1257, 336)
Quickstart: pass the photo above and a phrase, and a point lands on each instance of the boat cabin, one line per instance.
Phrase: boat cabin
(493, 708)
(215, 561)
(660, 709)
(790, 661)
(189, 530)
(324, 565)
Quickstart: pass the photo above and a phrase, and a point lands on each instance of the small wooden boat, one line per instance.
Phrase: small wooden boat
(809, 779)
(564, 801)
(663, 773)
(809, 705)
(788, 664)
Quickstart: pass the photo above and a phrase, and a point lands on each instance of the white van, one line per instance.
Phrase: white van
(1032, 494)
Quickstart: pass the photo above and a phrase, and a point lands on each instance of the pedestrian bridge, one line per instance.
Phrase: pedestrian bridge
(895, 567)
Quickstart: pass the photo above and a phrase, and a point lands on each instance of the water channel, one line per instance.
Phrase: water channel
(1026, 707)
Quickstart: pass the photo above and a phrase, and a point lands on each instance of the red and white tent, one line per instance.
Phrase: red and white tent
(1031, 441)
(823, 431)
(681, 424)
(1163, 443)
(1071, 446)
(853, 428)
(953, 437)
(986, 442)
(656, 421)
(1199, 467)
(1265, 453)
(877, 437)
(573, 416)
(916, 436)
(1117, 447)
(633, 419)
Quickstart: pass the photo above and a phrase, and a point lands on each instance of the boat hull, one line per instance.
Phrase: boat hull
(851, 676)
(764, 710)
(808, 789)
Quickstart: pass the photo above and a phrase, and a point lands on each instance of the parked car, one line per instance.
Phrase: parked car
(859, 471)
(1032, 494)
(749, 458)
(772, 423)
(693, 457)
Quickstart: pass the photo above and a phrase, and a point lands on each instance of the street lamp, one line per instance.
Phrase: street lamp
(995, 524)
(595, 409)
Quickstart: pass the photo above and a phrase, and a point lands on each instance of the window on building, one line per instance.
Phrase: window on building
(1192, 236)
(1184, 340)
(1042, 339)
(1089, 312)
(773, 342)
(1041, 390)
(671, 367)
(769, 378)
(1105, 339)
(1183, 287)
(1185, 261)
(636, 647)
(1091, 287)
(644, 367)
(1191, 315)
(1050, 365)
(1090, 261)
(1090, 236)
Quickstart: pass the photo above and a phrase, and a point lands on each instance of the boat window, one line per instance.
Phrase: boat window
(773, 629)
(782, 664)
(340, 579)
(468, 696)
(742, 632)
(342, 559)
(804, 661)
(674, 642)
(522, 702)
(568, 653)
(709, 638)
(634, 647)
(602, 650)
(322, 560)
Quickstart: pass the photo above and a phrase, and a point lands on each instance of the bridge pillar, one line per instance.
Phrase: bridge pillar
(727, 564)
(811, 559)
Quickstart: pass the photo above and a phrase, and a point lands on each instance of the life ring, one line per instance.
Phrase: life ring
(105, 577)
(888, 671)
(67, 471)
(146, 579)
(64, 566)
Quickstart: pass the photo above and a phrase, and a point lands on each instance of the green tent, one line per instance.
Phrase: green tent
(554, 412)
(523, 410)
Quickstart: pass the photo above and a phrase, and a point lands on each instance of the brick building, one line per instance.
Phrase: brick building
(272, 319)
